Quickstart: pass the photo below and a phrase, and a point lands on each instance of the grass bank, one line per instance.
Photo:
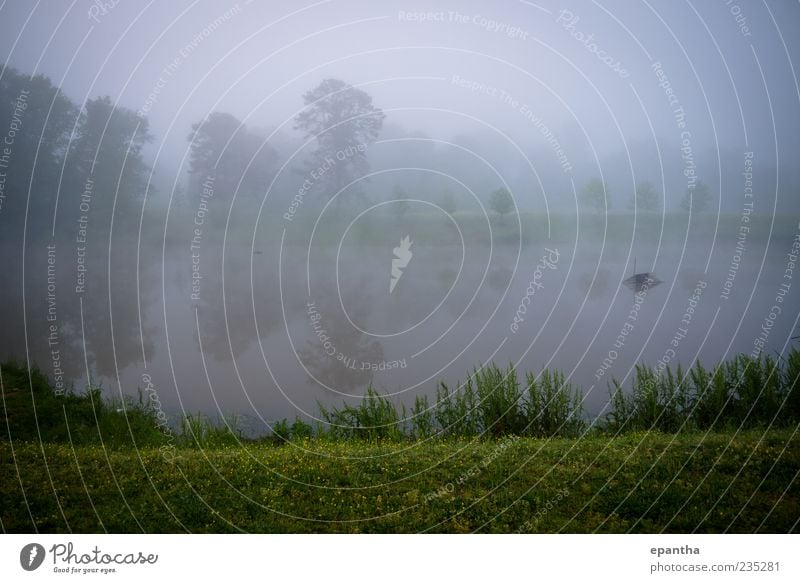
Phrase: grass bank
(638, 482)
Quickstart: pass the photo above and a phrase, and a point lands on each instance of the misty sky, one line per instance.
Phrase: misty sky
(256, 59)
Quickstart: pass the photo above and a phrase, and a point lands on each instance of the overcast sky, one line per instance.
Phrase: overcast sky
(437, 67)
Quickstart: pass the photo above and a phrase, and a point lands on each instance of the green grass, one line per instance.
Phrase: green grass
(491, 402)
(640, 482)
(32, 411)
(493, 454)
(744, 391)
(536, 228)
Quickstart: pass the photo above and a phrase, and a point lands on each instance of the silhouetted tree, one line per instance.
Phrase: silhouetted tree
(343, 122)
(36, 121)
(222, 147)
(107, 149)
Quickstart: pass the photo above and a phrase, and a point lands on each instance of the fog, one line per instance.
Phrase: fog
(266, 206)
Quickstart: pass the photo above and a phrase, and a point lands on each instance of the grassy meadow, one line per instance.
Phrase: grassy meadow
(527, 228)
(639, 482)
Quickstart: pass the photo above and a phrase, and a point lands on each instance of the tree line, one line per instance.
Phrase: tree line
(75, 177)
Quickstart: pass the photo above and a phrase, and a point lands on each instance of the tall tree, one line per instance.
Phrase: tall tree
(343, 121)
(107, 149)
(108, 177)
(222, 147)
(36, 123)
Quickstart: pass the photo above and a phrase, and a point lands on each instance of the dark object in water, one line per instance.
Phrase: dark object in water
(641, 281)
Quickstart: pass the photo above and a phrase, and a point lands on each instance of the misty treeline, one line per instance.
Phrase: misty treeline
(743, 392)
(59, 151)
(57, 147)
(83, 210)
(81, 232)
(84, 223)
(68, 171)
(61, 145)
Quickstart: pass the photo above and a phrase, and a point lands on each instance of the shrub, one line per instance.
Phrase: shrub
(35, 412)
(553, 408)
(422, 418)
(200, 431)
(374, 418)
(745, 391)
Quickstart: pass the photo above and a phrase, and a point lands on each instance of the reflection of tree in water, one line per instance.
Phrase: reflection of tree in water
(348, 368)
(103, 306)
(225, 342)
(237, 165)
(689, 278)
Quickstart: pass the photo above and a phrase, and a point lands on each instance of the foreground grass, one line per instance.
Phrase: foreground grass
(640, 482)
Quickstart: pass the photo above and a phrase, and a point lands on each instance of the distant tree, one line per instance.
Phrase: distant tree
(698, 199)
(646, 197)
(230, 301)
(447, 201)
(402, 206)
(343, 122)
(36, 121)
(501, 202)
(595, 194)
(222, 147)
(108, 149)
(209, 141)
